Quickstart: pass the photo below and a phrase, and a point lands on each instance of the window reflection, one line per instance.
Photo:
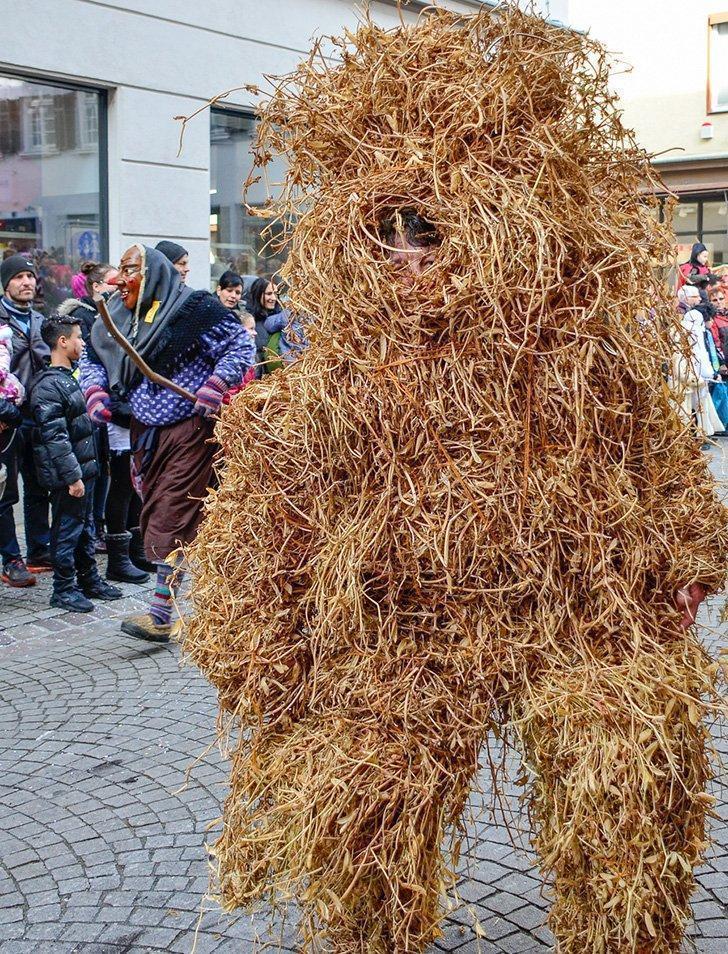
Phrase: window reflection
(236, 238)
(49, 181)
(703, 220)
(686, 217)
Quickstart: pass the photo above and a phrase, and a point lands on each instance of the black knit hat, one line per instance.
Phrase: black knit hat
(171, 250)
(13, 266)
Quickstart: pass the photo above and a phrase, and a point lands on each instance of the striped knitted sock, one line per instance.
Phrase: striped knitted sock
(161, 606)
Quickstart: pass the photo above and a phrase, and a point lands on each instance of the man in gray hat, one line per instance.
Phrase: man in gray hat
(18, 277)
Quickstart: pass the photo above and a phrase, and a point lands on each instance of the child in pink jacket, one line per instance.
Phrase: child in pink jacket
(10, 388)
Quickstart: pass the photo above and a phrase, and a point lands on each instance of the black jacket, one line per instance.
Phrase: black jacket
(10, 416)
(63, 444)
(30, 352)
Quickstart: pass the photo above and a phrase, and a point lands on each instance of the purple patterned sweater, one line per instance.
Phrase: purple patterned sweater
(228, 351)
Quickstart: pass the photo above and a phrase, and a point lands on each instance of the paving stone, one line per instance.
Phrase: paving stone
(520, 943)
(717, 928)
(712, 946)
(474, 891)
(82, 933)
(527, 917)
(504, 903)
(705, 910)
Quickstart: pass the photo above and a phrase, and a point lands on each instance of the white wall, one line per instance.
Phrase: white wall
(662, 46)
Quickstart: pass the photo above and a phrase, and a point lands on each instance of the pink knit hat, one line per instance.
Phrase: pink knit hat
(78, 285)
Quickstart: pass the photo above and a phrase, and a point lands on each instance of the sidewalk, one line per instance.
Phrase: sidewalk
(108, 793)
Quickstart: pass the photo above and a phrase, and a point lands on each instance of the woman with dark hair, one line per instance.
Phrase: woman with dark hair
(230, 290)
(261, 301)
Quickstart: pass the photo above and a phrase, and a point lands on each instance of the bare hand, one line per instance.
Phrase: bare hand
(688, 600)
(77, 489)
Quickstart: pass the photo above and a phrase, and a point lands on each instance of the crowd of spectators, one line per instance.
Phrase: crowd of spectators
(109, 461)
(701, 300)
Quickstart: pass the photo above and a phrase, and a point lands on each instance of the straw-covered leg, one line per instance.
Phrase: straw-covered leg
(618, 801)
(349, 818)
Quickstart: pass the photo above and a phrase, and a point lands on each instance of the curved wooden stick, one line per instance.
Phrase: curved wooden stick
(137, 358)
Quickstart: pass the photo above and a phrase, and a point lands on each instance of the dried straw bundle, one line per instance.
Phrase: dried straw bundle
(470, 504)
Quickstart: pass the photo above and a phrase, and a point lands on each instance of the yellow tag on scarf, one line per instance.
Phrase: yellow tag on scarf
(153, 309)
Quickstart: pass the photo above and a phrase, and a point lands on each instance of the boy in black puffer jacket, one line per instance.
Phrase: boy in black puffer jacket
(65, 460)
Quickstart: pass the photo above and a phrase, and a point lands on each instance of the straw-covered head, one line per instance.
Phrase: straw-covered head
(497, 129)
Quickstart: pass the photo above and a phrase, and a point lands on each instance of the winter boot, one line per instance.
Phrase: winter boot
(120, 567)
(136, 552)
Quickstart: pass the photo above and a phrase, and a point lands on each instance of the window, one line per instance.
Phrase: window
(236, 237)
(87, 105)
(718, 63)
(50, 180)
(40, 125)
(703, 219)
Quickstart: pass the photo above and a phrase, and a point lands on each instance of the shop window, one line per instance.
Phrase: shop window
(702, 219)
(715, 216)
(685, 219)
(718, 63)
(50, 182)
(237, 239)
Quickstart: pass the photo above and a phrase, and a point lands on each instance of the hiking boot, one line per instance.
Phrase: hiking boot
(136, 552)
(41, 563)
(119, 567)
(16, 573)
(98, 590)
(72, 600)
(144, 627)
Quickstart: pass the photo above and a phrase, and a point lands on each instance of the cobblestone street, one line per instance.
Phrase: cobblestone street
(108, 791)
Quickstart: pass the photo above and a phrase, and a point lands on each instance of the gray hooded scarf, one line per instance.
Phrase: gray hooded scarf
(161, 297)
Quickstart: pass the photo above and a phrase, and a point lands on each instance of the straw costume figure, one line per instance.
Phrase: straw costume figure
(471, 504)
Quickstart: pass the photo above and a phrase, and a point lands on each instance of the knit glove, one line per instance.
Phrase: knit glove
(98, 404)
(210, 395)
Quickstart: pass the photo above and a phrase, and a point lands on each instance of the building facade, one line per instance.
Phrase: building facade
(671, 74)
(90, 153)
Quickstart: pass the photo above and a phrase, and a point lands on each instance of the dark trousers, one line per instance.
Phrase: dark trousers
(72, 539)
(123, 504)
(18, 459)
(101, 484)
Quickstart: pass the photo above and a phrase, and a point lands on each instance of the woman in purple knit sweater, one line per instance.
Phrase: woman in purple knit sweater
(189, 337)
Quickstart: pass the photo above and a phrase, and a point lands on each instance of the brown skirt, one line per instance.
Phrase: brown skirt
(174, 482)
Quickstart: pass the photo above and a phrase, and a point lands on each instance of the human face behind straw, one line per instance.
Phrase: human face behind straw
(416, 258)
